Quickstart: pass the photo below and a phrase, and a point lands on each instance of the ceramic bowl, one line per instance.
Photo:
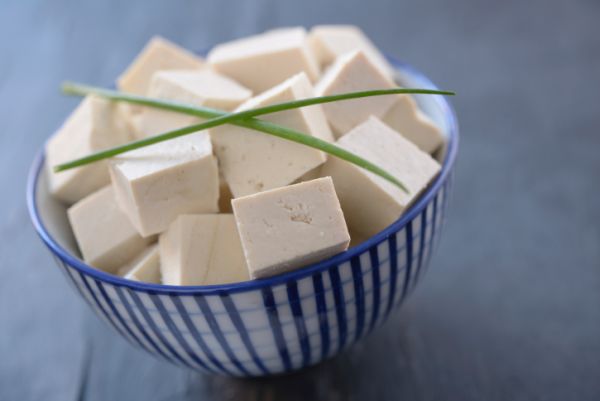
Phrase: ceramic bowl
(273, 325)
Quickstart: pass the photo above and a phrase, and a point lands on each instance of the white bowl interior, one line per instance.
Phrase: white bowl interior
(54, 216)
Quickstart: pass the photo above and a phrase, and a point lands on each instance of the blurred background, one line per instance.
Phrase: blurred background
(510, 308)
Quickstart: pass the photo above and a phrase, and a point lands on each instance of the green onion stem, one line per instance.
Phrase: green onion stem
(244, 119)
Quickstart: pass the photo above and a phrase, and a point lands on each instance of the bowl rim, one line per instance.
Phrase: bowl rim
(216, 289)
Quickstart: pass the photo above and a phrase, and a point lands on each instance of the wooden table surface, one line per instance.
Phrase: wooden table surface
(510, 308)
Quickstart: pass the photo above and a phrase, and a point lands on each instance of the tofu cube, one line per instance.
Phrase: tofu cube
(155, 184)
(202, 250)
(262, 61)
(200, 88)
(406, 118)
(353, 72)
(158, 54)
(289, 227)
(95, 124)
(106, 238)
(331, 41)
(370, 202)
(254, 161)
(145, 267)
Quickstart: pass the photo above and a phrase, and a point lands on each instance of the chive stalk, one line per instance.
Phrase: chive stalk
(244, 119)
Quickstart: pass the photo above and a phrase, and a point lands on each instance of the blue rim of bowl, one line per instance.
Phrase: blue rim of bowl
(306, 271)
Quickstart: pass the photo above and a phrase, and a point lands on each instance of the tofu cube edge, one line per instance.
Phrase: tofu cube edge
(145, 267)
(94, 125)
(157, 54)
(378, 203)
(252, 161)
(352, 72)
(202, 249)
(155, 184)
(105, 237)
(262, 61)
(330, 41)
(197, 87)
(290, 227)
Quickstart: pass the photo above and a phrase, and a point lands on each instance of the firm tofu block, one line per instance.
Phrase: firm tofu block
(331, 41)
(94, 125)
(371, 203)
(155, 184)
(253, 161)
(262, 61)
(202, 250)
(106, 238)
(158, 54)
(200, 87)
(353, 72)
(145, 267)
(289, 227)
(406, 117)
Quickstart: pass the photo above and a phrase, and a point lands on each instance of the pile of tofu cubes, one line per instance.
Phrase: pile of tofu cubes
(231, 204)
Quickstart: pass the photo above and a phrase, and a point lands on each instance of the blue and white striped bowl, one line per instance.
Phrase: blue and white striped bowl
(273, 325)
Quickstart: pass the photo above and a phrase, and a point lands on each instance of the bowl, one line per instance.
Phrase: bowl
(274, 325)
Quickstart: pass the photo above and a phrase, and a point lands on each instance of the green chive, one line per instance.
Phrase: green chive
(244, 119)
(72, 88)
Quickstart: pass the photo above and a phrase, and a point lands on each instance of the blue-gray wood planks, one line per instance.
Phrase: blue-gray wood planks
(510, 306)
